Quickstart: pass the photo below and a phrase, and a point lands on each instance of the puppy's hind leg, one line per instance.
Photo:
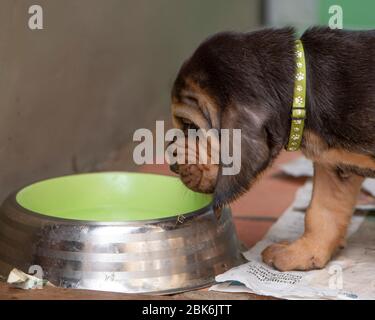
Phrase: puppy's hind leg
(326, 222)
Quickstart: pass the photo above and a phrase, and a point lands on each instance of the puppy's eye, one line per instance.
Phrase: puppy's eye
(188, 125)
(190, 100)
(192, 126)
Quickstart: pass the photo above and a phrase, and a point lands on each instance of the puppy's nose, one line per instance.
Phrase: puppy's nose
(174, 168)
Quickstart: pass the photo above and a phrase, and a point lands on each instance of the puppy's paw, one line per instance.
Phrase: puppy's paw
(302, 254)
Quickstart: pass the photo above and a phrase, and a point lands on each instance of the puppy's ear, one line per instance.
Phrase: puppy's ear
(258, 146)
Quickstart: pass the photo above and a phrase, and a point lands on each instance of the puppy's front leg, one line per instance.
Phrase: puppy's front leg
(326, 223)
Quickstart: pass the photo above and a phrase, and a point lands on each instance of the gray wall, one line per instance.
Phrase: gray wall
(74, 92)
(298, 13)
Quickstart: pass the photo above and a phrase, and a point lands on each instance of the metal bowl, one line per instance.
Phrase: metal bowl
(123, 232)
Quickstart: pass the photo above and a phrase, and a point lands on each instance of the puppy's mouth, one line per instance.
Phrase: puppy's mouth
(199, 177)
(196, 175)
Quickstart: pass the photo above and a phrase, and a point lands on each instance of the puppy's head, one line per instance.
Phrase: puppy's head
(236, 81)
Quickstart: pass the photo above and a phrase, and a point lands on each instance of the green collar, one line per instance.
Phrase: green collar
(299, 100)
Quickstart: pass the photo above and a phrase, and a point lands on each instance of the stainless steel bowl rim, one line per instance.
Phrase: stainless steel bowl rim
(12, 198)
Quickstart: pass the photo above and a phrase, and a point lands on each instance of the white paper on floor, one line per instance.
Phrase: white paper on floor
(21, 280)
(349, 275)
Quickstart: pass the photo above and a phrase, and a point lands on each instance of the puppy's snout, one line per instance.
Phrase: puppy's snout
(174, 168)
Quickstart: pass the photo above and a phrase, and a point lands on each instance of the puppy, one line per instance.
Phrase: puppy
(245, 81)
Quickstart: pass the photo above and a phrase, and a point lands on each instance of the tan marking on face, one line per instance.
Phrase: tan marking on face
(199, 177)
(207, 104)
(190, 113)
(317, 150)
(204, 115)
(195, 175)
(205, 109)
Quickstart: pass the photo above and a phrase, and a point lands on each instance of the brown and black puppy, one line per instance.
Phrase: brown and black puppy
(245, 81)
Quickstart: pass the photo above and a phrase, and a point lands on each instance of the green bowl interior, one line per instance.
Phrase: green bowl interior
(111, 196)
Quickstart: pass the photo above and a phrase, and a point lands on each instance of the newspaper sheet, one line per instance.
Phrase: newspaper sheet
(349, 275)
